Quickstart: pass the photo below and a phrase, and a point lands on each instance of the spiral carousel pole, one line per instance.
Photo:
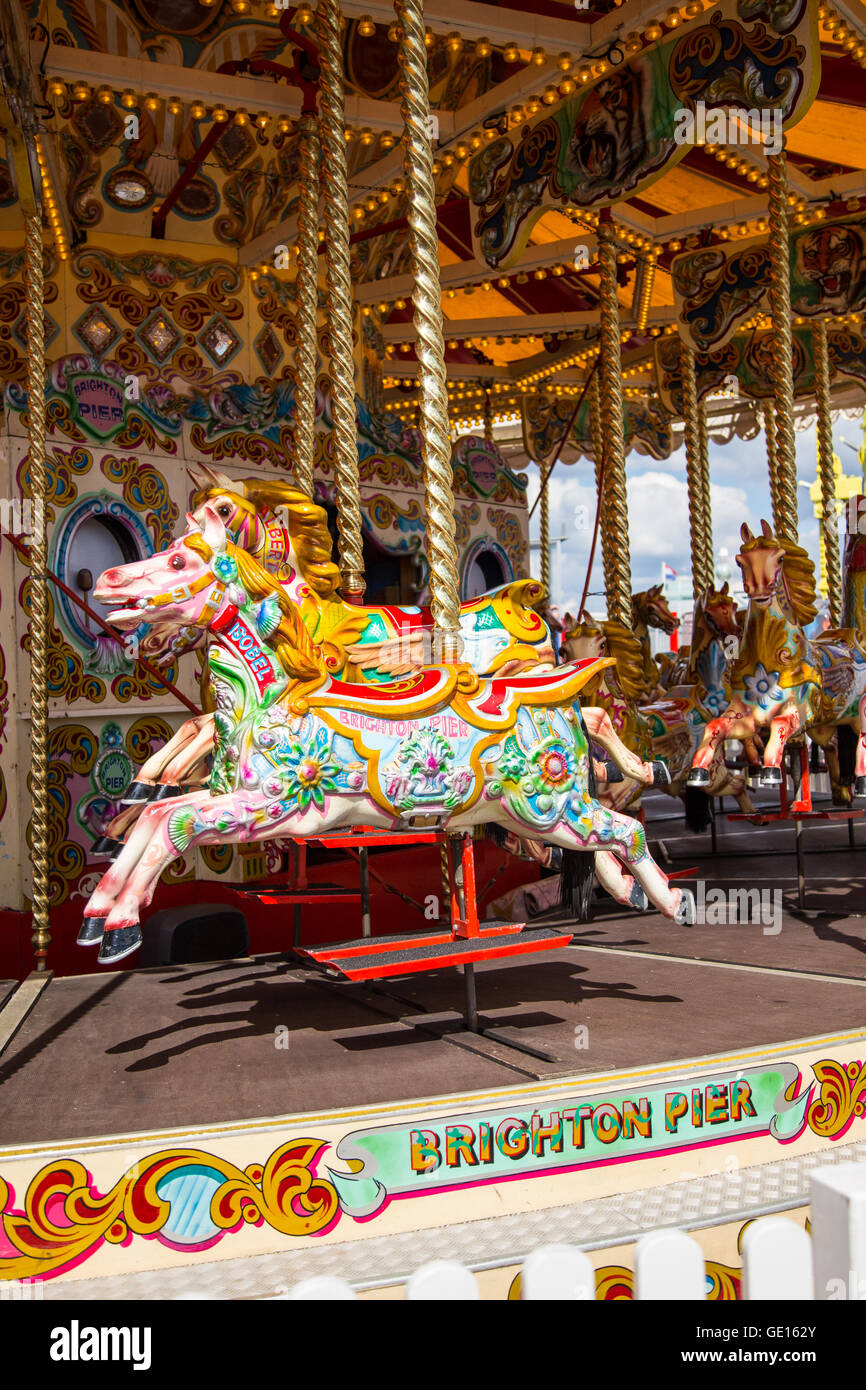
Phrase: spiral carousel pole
(306, 351)
(694, 470)
(770, 439)
(40, 632)
(430, 343)
(830, 533)
(340, 310)
(619, 587)
(544, 535)
(782, 361)
(488, 419)
(706, 496)
(596, 427)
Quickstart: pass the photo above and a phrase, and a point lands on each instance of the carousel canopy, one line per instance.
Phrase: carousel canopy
(545, 114)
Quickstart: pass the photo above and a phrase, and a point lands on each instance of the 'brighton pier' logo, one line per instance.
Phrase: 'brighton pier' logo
(489, 1146)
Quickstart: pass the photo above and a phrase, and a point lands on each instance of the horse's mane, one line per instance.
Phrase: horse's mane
(626, 649)
(291, 641)
(701, 634)
(799, 572)
(623, 646)
(308, 526)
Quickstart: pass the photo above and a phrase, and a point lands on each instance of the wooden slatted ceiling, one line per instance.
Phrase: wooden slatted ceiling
(831, 130)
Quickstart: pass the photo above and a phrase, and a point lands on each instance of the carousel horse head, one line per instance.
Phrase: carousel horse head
(777, 571)
(651, 608)
(174, 586)
(199, 581)
(715, 609)
(249, 509)
(583, 638)
(589, 638)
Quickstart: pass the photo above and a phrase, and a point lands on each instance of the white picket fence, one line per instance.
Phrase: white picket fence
(781, 1261)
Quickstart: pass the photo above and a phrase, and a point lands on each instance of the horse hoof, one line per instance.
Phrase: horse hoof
(860, 786)
(661, 775)
(105, 847)
(686, 914)
(771, 777)
(117, 943)
(612, 773)
(167, 789)
(638, 898)
(699, 777)
(91, 931)
(138, 791)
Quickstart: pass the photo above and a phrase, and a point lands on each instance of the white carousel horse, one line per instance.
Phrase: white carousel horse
(300, 753)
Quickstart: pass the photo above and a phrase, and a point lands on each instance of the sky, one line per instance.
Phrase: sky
(658, 508)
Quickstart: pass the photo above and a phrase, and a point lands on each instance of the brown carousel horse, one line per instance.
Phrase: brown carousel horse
(670, 729)
(783, 683)
(649, 608)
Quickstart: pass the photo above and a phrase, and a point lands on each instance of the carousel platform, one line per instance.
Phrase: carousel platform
(234, 1061)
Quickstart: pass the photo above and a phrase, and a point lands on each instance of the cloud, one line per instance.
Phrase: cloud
(658, 512)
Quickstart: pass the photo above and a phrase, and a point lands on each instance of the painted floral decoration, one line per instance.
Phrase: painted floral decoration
(716, 700)
(311, 771)
(762, 688)
(538, 781)
(554, 768)
(427, 754)
(225, 567)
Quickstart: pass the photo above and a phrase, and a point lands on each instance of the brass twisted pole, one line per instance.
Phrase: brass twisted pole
(488, 419)
(597, 431)
(544, 535)
(646, 290)
(706, 497)
(770, 440)
(619, 590)
(694, 470)
(340, 306)
(306, 350)
(430, 342)
(782, 360)
(445, 878)
(40, 635)
(830, 531)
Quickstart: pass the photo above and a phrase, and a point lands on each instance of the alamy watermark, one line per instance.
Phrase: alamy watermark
(22, 516)
(729, 126)
(855, 509)
(719, 906)
(21, 1290)
(77, 1343)
(854, 1290)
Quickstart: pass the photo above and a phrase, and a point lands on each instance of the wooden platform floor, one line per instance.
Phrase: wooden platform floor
(187, 1045)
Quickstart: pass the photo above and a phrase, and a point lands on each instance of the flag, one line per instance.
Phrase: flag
(668, 572)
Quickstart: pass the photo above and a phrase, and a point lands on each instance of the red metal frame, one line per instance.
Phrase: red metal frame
(800, 809)
(465, 943)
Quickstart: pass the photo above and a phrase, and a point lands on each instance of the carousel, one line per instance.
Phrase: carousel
(361, 905)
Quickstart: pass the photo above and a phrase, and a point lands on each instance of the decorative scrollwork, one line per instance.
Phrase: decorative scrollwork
(841, 1097)
(64, 1218)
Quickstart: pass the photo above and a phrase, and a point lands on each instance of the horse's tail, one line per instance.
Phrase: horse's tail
(846, 744)
(491, 830)
(575, 883)
(698, 811)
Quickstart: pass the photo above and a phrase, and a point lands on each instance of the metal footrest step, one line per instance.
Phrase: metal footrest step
(373, 945)
(283, 894)
(379, 957)
(377, 839)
